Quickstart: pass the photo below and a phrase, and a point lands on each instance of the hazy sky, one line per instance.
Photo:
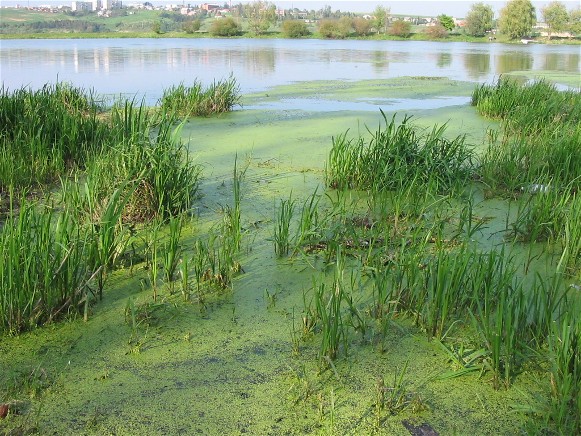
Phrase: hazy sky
(456, 8)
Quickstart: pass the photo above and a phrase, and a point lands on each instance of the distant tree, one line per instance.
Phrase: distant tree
(345, 26)
(447, 22)
(436, 32)
(556, 16)
(362, 26)
(225, 27)
(191, 26)
(295, 29)
(157, 27)
(517, 18)
(332, 29)
(400, 28)
(479, 19)
(261, 15)
(575, 21)
(326, 12)
(381, 15)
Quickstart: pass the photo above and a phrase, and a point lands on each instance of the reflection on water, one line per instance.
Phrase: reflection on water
(560, 61)
(444, 59)
(477, 65)
(146, 67)
(515, 61)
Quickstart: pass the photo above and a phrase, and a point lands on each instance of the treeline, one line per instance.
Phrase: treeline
(64, 25)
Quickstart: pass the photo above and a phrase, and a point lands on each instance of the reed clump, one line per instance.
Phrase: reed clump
(541, 133)
(44, 272)
(116, 171)
(397, 154)
(197, 100)
(47, 132)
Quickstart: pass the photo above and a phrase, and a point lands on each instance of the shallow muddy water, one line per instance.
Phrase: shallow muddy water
(231, 365)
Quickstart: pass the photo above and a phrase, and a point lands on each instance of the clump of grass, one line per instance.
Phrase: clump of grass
(282, 234)
(46, 133)
(397, 154)
(117, 170)
(564, 411)
(43, 273)
(541, 134)
(197, 100)
(172, 250)
(148, 161)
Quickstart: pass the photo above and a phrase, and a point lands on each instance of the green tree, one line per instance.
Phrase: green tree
(556, 16)
(345, 25)
(381, 18)
(401, 28)
(261, 15)
(436, 32)
(361, 26)
(517, 18)
(479, 19)
(333, 29)
(224, 27)
(447, 22)
(295, 29)
(191, 26)
(157, 27)
(575, 21)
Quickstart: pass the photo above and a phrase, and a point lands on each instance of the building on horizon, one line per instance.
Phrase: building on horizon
(81, 6)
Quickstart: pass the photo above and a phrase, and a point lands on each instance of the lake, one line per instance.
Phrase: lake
(144, 67)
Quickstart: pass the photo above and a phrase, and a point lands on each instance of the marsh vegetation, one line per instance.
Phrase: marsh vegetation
(391, 244)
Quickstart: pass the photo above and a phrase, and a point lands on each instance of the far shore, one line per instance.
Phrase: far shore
(279, 35)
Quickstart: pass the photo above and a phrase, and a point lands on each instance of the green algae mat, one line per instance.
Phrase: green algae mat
(239, 360)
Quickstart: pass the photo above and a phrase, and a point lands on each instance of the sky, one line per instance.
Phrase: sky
(455, 8)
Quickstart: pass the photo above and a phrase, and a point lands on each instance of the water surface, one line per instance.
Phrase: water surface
(144, 67)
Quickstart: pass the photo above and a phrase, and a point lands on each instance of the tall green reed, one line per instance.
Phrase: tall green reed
(171, 249)
(328, 306)
(564, 411)
(47, 132)
(43, 273)
(197, 100)
(282, 233)
(396, 154)
(541, 132)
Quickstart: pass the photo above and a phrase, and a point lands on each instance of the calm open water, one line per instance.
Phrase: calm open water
(144, 67)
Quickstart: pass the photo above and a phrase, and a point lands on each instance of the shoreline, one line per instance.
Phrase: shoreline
(275, 35)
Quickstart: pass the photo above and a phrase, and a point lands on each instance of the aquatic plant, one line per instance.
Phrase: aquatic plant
(47, 132)
(233, 213)
(397, 154)
(171, 249)
(328, 306)
(152, 256)
(309, 226)
(43, 273)
(282, 235)
(393, 398)
(500, 317)
(147, 156)
(197, 100)
(541, 134)
(564, 410)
